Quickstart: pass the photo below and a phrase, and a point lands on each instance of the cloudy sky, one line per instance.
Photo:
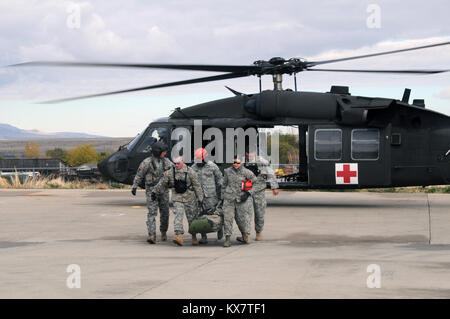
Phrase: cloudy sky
(215, 32)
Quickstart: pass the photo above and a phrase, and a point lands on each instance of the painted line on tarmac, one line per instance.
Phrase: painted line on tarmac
(233, 250)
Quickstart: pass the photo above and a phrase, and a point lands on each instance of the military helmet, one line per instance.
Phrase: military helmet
(200, 154)
(158, 148)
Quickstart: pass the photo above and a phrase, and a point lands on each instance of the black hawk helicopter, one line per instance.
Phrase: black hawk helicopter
(345, 141)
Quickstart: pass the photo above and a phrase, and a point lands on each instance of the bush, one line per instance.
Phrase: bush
(32, 150)
(57, 153)
(81, 155)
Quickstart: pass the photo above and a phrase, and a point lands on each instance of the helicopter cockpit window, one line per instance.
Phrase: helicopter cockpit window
(131, 145)
(153, 135)
(365, 144)
(328, 144)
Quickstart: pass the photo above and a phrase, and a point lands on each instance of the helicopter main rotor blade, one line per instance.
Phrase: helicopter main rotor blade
(191, 81)
(384, 71)
(193, 67)
(310, 64)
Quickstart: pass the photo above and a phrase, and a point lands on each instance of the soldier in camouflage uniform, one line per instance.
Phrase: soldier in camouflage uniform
(211, 179)
(236, 203)
(150, 171)
(261, 168)
(187, 191)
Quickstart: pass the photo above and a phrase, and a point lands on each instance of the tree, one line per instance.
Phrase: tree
(82, 154)
(103, 155)
(32, 150)
(288, 148)
(57, 153)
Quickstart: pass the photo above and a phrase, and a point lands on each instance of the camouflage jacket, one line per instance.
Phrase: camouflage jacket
(151, 170)
(210, 178)
(232, 182)
(264, 173)
(194, 190)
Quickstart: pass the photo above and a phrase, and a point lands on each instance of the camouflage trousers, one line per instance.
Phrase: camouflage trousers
(259, 208)
(180, 209)
(161, 202)
(241, 212)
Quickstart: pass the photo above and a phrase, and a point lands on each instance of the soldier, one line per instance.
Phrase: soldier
(210, 178)
(263, 172)
(187, 190)
(151, 170)
(236, 201)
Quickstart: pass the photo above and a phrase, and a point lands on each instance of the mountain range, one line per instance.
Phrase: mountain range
(9, 132)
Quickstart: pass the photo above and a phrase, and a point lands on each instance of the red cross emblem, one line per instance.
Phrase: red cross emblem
(346, 173)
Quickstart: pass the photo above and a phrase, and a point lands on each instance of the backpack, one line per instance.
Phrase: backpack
(180, 185)
(206, 224)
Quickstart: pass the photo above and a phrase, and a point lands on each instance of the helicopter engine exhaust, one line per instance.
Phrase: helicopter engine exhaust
(340, 108)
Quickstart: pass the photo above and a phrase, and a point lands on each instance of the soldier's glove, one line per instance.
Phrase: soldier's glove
(245, 196)
(133, 191)
(153, 196)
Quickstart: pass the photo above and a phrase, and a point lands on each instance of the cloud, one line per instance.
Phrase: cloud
(426, 57)
(213, 32)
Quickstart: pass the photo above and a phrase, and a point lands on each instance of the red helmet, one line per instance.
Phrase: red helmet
(200, 154)
(246, 185)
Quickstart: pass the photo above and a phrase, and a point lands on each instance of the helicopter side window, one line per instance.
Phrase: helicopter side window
(153, 135)
(365, 144)
(328, 144)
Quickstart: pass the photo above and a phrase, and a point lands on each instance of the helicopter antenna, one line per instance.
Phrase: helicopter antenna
(234, 91)
(406, 94)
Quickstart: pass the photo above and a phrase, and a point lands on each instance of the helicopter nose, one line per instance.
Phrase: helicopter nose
(115, 167)
(102, 167)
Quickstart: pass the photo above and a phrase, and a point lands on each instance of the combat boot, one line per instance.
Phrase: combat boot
(204, 239)
(258, 236)
(194, 240)
(245, 238)
(151, 240)
(163, 237)
(178, 240)
(227, 242)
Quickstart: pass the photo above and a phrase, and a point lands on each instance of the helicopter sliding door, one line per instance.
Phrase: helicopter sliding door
(348, 157)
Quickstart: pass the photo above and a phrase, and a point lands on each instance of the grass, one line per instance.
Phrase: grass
(442, 189)
(45, 182)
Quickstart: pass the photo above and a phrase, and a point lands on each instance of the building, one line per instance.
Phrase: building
(45, 166)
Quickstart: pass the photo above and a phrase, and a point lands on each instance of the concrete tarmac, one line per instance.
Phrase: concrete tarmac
(316, 245)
